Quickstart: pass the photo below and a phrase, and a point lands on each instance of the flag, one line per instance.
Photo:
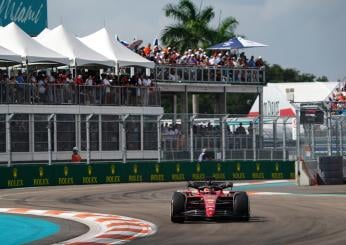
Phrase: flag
(156, 42)
(121, 41)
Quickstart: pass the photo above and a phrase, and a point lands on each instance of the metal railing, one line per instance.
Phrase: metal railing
(24, 137)
(209, 74)
(328, 139)
(59, 94)
(219, 136)
(27, 137)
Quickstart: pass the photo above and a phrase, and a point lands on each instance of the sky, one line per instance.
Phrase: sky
(308, 35)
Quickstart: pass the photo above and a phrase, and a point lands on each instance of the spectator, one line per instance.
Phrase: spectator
(251, 63)
(89, 90)
(147, 50)
(76, 158)
(42, 88)
(89, 81)
(240, 130)
(106, 83)
(259, 62)
(203, 155)
(250, 128)
(79, 80)
(20, 82)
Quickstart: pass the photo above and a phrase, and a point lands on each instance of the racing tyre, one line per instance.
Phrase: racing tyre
(178, 207)
(241, 206)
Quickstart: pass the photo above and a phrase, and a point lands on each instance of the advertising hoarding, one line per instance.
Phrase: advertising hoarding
(29, 15)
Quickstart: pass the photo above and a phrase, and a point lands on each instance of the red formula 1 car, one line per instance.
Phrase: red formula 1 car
(208, 200)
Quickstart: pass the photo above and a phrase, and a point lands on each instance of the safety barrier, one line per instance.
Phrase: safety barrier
(107, 173)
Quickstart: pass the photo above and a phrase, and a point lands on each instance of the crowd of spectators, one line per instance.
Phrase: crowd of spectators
(49, 86)
(205, 133)
(43, 85)
(199, 57)
(338, 101)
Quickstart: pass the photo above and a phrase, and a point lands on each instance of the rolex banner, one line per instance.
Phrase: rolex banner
(109, 173)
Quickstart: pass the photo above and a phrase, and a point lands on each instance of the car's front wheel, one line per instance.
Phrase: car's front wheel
(178, 207)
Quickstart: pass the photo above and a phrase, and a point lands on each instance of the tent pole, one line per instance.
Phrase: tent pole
(27, 81)
(27, 70)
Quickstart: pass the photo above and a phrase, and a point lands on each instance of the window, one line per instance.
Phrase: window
(110, 133)
(20, 133)
(66, 132)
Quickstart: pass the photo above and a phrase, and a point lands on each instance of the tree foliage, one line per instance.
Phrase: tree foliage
(276, 74)
(192, 26)
(191, 29)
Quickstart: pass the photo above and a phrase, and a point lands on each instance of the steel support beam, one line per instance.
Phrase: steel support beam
(191, 136)
(87, 121)
(8, 139)
(123, 137)
(158, 123)
(223, 136)
(49, 132)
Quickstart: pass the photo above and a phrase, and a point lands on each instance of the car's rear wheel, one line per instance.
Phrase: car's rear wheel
(178, 207)
(241, 206)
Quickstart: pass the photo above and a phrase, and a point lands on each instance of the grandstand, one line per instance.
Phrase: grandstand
(43, 116)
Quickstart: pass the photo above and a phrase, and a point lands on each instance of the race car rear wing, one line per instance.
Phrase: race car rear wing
(209, 184)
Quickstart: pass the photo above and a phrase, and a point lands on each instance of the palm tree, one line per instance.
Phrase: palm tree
(225, 30)
(192, 28)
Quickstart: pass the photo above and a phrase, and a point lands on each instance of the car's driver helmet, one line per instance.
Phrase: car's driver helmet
(75, 149)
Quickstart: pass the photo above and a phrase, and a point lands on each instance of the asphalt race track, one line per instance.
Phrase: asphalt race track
(312, 215)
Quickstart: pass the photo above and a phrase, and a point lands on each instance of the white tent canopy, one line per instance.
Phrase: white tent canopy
(8, 57)
(277, 96)
(102, 42)
(65, 43)
(45, 31)
(16, 40)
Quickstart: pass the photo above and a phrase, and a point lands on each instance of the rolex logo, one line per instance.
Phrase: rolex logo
(258, 167)
(41, 172)
(277, 167)
(177, 168)
(135, 169)
(218, 167)
(238, 167)
(113, 169)
(15, 173)
(198, 168)
(65, 171)
(157, 168)
(90, 170)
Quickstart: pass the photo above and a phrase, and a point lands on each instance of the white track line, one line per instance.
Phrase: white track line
(262, 182)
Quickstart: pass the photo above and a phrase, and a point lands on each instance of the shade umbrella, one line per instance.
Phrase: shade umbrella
(236, 43)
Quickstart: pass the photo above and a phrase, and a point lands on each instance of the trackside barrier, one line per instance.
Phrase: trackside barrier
(106, 173)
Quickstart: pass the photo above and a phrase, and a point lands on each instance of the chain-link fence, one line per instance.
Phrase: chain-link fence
(226, 137)
(327, 139)
(32, 137)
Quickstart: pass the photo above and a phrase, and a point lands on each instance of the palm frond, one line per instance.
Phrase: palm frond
(189, 8)
(229, 24)
(192, 26)
(207, 14)
(175, 12)
(173, 34)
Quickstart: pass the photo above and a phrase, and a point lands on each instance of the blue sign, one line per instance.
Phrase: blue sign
(29, 15)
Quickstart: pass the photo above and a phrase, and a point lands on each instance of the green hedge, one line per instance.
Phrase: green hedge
(103, 173)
